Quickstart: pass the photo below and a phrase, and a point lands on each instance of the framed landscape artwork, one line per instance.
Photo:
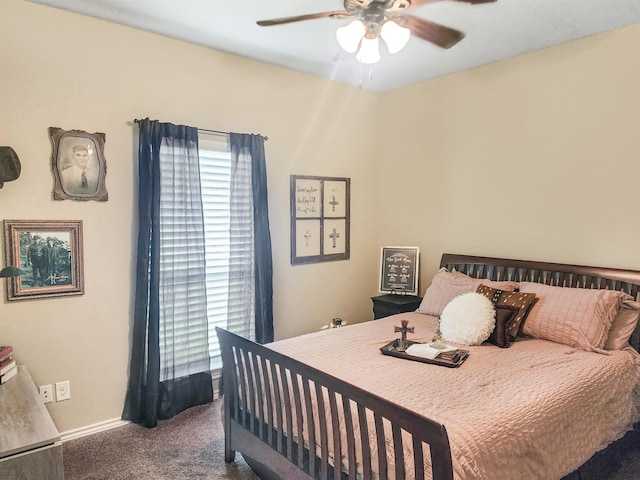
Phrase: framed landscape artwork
(50, 255)
(319, 219)
(399, 270)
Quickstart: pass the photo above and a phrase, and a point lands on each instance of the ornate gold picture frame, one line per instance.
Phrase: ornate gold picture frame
(78, 165)
(50, 255)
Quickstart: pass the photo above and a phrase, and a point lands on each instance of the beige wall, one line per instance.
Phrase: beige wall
(534, 157)
(73, 72)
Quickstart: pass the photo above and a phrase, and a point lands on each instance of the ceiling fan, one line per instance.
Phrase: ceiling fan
(381, 18)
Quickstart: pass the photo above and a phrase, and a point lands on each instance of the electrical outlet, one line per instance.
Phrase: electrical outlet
(63, 391)
(46, 393)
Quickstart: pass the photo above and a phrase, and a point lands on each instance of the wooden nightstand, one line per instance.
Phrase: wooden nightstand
(385, 305)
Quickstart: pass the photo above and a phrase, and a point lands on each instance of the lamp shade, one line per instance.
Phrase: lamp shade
(369, 51)
(349, 35)
(395, 36)
(10, 271)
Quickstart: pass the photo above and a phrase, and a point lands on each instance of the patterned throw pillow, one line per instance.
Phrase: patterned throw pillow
(519, 300)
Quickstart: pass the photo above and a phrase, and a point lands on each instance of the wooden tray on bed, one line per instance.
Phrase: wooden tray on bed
(391, 348)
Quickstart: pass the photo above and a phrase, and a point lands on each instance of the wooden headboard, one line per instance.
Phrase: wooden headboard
(556, 274)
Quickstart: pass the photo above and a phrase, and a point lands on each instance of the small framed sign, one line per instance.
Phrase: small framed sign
(399, 270)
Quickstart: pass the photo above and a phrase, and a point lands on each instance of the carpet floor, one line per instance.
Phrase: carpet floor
(191, 446)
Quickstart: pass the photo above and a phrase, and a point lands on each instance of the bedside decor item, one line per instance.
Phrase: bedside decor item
(319, 219)
(447, 356)
(48, 254)
(399, 270)
(78, 165)
(9, 165)
(403, 344)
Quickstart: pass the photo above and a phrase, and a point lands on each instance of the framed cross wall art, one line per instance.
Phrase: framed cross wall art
(319, 219)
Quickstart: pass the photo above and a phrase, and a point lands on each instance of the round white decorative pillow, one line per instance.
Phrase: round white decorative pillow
(468, 319)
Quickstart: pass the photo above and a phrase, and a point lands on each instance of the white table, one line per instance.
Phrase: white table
(30, 446)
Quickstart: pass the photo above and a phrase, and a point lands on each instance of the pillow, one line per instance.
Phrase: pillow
(518, 300)
(468, 319)
(623, 325)
(578, 317)
(504, 318)
(447, 285)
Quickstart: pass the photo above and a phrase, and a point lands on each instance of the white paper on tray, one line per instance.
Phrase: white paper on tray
(425, 350)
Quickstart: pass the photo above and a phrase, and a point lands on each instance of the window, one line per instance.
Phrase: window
(224, 263)
(215, 178)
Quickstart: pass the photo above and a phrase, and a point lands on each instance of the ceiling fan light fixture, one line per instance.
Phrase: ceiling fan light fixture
(395, 36)
(349, 35)
(369, 51)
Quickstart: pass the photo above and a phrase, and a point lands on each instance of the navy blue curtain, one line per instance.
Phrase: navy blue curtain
(148, 398)
(253, 146)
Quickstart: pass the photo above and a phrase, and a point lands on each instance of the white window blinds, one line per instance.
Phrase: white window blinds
(183, 328)
(228, 218)
(227, 262)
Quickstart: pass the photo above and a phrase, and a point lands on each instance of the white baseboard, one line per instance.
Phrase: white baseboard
(91, 429)
(216, 377)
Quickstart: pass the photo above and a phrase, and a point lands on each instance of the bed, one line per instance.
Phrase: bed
(329, 405)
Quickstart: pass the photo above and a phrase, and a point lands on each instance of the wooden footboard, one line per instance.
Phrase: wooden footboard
(293, 421)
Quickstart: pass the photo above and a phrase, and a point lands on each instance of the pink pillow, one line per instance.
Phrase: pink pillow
(447, 285)
(577, 317)
(623, 325)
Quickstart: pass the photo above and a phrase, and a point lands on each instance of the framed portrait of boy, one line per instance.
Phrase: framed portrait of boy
(78, 165)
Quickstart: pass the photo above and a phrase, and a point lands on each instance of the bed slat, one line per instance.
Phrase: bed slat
(364, 443)
(311, 430)
(337, 442)
(351, 438)
(382, 447)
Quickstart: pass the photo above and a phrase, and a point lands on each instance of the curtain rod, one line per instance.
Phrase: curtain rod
(208, 130)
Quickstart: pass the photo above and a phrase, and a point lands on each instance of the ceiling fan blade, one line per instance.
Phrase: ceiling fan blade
(299, 18)
(417, 3)
(435, 33)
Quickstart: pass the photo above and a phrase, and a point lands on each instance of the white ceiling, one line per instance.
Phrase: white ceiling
(494, 31)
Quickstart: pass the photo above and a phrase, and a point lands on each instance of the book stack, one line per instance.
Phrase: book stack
(8, 367)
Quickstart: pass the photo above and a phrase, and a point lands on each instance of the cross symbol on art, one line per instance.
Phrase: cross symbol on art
(403, 344)
(307, 236)
(334, 236)
(333, 201)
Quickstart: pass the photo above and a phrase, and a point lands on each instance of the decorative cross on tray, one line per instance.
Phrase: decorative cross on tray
(403, 344)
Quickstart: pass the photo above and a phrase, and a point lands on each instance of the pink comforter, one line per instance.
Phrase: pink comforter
(536, 410)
